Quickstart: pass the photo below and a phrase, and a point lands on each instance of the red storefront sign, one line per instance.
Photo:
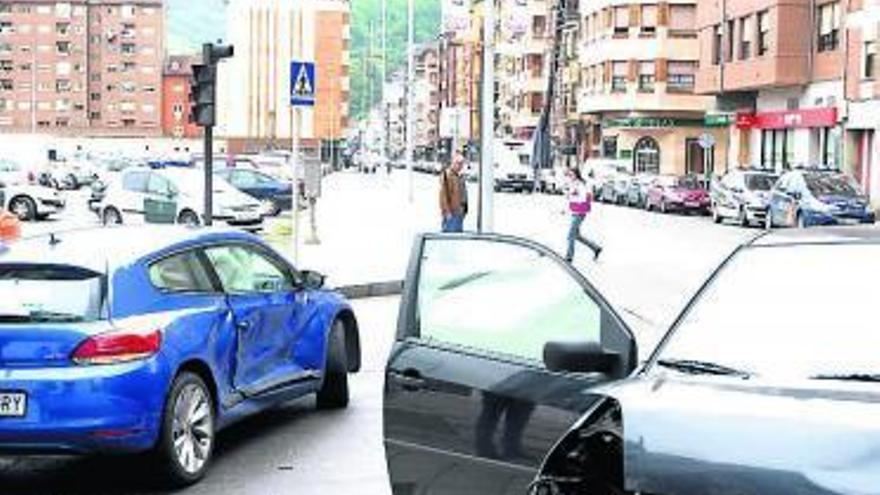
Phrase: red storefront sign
(788, 119)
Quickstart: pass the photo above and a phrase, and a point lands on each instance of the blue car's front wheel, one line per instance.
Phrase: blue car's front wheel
(187, 437)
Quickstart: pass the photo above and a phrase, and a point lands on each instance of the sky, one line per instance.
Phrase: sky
(193, 22)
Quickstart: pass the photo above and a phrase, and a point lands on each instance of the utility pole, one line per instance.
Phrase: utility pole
(410, 97)
(384, 72)
(487, 124)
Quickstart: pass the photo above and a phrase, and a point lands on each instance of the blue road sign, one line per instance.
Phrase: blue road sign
(302, 84)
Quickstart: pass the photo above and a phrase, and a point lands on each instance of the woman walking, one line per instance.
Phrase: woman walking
(580, 200)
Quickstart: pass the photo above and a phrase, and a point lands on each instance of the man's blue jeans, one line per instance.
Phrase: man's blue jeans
(453, 224)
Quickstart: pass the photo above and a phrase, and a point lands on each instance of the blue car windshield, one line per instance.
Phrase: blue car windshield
(787, 312)
(831, 185)
(33, 293)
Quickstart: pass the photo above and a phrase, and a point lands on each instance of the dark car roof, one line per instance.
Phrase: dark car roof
(826, 235)
(100, 248)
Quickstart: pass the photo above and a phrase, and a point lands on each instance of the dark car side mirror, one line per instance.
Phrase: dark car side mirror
(795, 194)
(312, 280)
(580, 357)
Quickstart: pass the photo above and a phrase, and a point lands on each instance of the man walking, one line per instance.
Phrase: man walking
(453, 195)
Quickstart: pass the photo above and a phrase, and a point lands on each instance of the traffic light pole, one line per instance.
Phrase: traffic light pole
(203, 112)
(209, 175)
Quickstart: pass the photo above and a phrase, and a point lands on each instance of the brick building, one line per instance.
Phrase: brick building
(90, 67)
(862, 86)
(176, 75)
(638, 63)
(780, 66)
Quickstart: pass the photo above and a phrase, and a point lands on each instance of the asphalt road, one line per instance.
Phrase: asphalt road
(651, 266)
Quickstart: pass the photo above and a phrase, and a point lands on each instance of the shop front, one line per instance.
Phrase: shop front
(661, 145)
(863, 146)
(784, 139)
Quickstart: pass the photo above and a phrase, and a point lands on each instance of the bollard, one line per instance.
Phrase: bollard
(10, 227)
(313, 223)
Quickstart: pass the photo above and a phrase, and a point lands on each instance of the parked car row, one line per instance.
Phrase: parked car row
(750, 197)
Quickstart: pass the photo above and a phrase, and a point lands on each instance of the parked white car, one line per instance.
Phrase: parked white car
(22, 196)
(143, 195)
(73, 174)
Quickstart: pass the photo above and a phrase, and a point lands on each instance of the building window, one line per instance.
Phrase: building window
(763, 32)
(681, 75)
(129, 48)
(717, 41)
(62, 86)
(731, 41)
(870, 64)
(6, 66)
(646, 77)
(5, 8)
(618, 77)
(62, 47)
(682, 21)
(7, 27)
(62, 28)
(6, 85)
(746, 35)
(95, 115)
(646, 156)
(649, 20)
(95, 97)
(829, 26)
(621, 21)
(539, 27)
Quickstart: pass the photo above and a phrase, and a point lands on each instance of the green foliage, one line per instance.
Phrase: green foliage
(365, 67)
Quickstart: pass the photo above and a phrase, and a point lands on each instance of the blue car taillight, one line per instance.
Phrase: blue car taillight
(117, 347)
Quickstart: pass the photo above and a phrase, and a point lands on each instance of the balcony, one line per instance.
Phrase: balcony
(631, 99)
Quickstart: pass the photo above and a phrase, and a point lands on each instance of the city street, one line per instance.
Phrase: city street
(651, 265)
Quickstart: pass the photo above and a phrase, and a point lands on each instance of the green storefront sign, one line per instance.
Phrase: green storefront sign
(710, 120)
(719, 119)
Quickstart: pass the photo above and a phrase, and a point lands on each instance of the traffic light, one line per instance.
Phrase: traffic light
(203, 86)
(203, 95)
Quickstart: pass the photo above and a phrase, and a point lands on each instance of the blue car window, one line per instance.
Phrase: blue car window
(180, 273)
(135, 181)
(244, 270)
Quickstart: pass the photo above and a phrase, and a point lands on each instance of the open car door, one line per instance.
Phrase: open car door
(474, 396)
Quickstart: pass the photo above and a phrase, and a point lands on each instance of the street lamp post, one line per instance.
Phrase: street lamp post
(410, 97)
(487, 126)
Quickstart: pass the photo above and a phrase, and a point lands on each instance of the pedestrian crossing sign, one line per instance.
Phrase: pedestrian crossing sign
(302, 84)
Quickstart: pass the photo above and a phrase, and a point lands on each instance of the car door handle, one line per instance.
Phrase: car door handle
(410, 380)
(243, 325)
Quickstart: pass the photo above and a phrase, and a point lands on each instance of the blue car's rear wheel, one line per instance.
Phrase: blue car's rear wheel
(333, 393)
(187, 437)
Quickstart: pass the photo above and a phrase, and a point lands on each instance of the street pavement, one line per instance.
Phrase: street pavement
(651, 266)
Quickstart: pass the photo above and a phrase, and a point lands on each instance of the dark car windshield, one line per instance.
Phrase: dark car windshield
(787, 312)
(32, 293)
(760, 182)
(831, 185)
(687, 183)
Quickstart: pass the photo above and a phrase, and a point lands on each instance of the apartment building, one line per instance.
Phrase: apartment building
(394, 97)
(460, 66)
(176, 77)
(862, 87)
(255, 111)
(427, 102)
(90, 67)
(523, 65)
(779, 65)
(638, 99)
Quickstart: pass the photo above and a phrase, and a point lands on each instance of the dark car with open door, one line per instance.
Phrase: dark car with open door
(512, 375)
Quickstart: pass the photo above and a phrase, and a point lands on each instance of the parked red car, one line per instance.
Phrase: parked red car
(672, 193)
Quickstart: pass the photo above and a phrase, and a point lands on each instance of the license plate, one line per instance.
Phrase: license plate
(692, 204)
(849, 221)
(13, 404)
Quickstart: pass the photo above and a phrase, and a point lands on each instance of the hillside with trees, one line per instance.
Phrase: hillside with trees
(366, 48)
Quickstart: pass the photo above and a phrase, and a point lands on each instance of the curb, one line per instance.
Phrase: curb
(372, 290)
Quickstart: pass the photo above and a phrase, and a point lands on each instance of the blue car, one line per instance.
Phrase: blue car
(276, 194)
(807, 198)
(158, 339)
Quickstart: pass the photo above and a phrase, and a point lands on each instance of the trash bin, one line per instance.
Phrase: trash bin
(158, 211)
